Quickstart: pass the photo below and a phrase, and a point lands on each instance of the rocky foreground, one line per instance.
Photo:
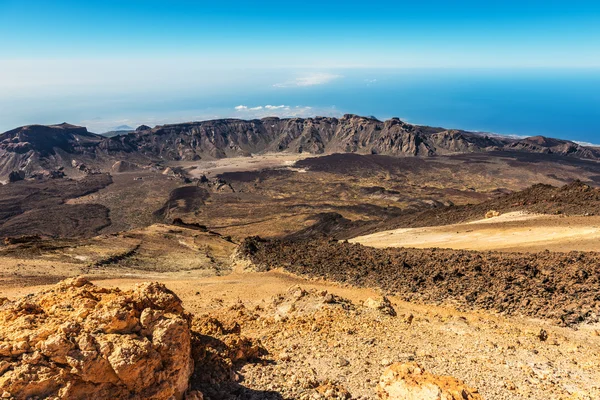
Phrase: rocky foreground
(79, 341)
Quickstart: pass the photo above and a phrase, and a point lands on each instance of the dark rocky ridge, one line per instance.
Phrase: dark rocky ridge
(562, 287)
(40, 148)
(47, 147)
(349, 134)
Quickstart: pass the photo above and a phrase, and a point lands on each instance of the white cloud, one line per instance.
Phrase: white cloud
(587, 144)
(318, 78)
(284, 111)
(261, 110)
(103, 124)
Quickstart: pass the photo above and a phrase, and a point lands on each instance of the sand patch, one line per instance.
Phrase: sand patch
(511, 231)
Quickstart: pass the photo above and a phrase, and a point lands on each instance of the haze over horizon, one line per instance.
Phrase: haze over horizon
(522, 68)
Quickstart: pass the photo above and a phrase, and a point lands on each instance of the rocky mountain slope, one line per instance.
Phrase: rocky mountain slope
(349, 134)
(34, 148)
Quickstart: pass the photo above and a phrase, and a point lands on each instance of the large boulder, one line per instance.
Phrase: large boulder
(16, 176)
(492, 214)
(410, 381)
(80, 341)
(124, 166)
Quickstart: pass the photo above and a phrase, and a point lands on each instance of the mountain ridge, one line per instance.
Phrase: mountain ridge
(54, 146)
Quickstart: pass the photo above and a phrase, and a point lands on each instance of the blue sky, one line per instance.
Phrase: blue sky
(308, 33)
(86, 61)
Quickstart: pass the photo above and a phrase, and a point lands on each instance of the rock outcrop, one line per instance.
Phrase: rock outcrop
(124, 166)
(37, 149)
(492, 214)
(410, 381)
(80, 341)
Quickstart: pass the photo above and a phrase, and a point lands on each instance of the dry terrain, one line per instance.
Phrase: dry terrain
(514, 231)
(346, 344)
(508, 305)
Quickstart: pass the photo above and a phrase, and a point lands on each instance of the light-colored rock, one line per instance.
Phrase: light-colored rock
(382, 305)
(492, 214)
(124, 166)
(78, 341)
(411, 382)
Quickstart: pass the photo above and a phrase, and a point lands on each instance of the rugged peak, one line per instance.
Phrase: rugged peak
(46, 139)
(221, 138)
(357, 117)
(142, 128)
(46, 129)
(577, 186)
(545, 141)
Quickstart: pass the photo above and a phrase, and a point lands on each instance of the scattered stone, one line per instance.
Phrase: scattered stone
(411, 382)
(332, 391)
(383, 305)
(124, 166)
(342, 362)
(492, 214)
(385, 362)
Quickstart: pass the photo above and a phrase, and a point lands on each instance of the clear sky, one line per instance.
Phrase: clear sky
(56, 49)
(307, 33)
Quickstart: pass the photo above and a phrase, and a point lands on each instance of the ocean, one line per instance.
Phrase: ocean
(526, 102)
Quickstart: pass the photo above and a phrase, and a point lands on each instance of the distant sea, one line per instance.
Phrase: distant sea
(563, 104)
(525, 102)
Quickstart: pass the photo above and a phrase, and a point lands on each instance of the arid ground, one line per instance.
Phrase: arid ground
(507, 304)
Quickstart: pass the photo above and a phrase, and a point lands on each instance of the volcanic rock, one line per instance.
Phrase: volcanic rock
(492, 214)
(80, 341)
(124, 166)
(411, 382)
(16, 176)
(382, 305)
(540, 285)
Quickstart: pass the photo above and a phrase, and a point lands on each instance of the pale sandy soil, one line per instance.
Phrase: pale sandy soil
(510, 232)
(502, 357)
(238, 164)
